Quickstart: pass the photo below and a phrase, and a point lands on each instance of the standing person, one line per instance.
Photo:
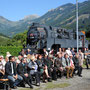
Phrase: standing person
(77, 65)
(45, 52)
(81, 58)
(29, 52)
(11, 73)
(60, 51)
(22, 52)
(68, 51)
(73, 52)
(22, 71)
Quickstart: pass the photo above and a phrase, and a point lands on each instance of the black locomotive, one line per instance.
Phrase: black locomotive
(42, 36)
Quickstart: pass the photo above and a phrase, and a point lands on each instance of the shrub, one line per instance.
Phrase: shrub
(14, 50)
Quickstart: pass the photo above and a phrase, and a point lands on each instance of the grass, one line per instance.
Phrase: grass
(48, 86)
(58, 85)
(3, 40)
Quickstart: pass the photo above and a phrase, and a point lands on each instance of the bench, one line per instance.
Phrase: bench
(5, 82)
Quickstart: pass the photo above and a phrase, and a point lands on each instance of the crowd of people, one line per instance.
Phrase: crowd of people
(29, 66)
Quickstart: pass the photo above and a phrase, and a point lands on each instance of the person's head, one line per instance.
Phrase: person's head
(23, 60)
(28, 50)
(60, 49)
(11, 58)
(33, 58)
(40, 57)
(28, 56)
(44, 50)
(36, 56)
(63, 49)
(72, 49)
(8, 54)
(22, 50)
(20, 57)
(1, 58)
(79, 51)
(87, 49)
(66, 55)
(68, 48)
(70, 56)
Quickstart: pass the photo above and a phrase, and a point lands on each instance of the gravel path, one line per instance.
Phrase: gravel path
(76, 83)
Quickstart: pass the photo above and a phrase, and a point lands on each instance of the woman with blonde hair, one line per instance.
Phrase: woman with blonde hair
(34, 70)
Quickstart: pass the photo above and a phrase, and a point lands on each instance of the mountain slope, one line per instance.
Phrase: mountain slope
(11, 28)
(63, 16)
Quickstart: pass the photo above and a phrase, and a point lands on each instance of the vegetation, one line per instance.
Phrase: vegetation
(18, 39)
(58, 85)
(14, 50)
(50, 86)
(3, 40)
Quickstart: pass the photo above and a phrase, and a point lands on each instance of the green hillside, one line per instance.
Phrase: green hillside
(3, 40)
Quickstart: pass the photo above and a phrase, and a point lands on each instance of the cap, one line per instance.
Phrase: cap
(25, 56)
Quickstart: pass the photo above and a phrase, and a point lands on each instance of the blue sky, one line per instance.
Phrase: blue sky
(17, 9)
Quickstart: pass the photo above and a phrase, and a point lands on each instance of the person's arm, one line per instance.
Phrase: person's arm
(7, 69)
(19, 69)
(63, 62)
(1, 71)
(30, 66)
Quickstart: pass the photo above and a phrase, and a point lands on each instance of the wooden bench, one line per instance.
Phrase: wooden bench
(5, 82)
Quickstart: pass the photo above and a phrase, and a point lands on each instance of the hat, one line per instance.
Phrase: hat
(25, 56)
(70, 55)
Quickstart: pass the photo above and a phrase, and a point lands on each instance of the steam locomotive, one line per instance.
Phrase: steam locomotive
(41, 36)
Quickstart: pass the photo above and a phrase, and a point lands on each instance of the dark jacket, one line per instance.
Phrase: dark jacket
(76, 62)
(8, 68)
(21, 69)
(40, 64)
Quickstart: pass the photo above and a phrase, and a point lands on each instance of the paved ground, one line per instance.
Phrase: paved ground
(76, 83)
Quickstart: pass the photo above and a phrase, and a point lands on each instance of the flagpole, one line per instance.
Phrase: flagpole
(77, 22)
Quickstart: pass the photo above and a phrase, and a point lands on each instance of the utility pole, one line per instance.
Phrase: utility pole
(77, 22)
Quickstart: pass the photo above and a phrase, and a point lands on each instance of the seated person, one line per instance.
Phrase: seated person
(11, 73)
(2, 68)
(66, 65)
(58, 65)
(34, 70)
(71, 64)
(22, 71)
(42, 68)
